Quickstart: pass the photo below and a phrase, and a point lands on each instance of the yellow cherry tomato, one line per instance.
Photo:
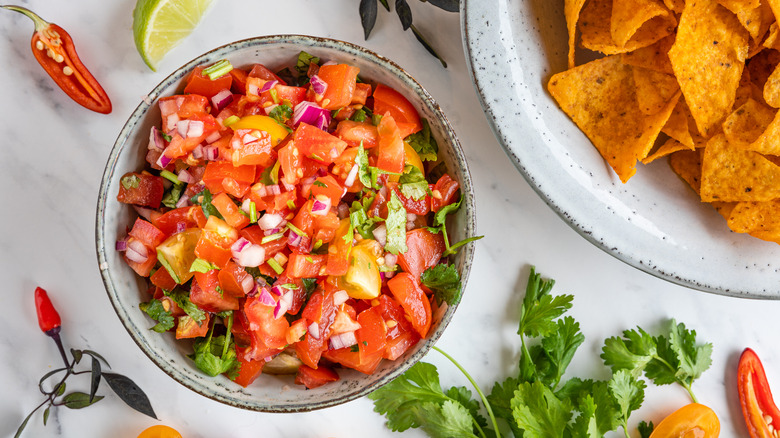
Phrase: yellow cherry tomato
(160, 431)
(262, 123)
(690, 421)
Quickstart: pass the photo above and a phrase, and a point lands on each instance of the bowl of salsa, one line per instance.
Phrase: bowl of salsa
(284, 223)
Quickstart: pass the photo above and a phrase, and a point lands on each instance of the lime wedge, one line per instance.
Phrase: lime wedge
(160, 25)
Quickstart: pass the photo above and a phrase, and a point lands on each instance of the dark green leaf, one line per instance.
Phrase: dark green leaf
(304, 61)
(428, 46)
(368, 10)
(209, 356)
(157, 312)
(24, 424)
(172, 195)
(561, 344)
(645, 429)
(444, 281)
(404, 13)
(585, 425)
(500, 399)
(97, 356)
(454, 247)
(61, 389)
(130, 393)
(662, 370)
(385, 4)
(182, 299)
(446, 420)
(282, 113)
(539, 308)
(46, 415)
(204, 200)
(424, 144)
(76, 355)
(447, 5)
(95, 378)
(47, 375)
(79, 400)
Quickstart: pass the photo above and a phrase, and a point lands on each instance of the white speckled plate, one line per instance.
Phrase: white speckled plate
(654, 222)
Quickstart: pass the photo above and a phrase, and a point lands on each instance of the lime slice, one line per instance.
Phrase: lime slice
(160, 25)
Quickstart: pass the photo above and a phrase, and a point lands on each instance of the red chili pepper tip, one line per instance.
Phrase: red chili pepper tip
(48, 318)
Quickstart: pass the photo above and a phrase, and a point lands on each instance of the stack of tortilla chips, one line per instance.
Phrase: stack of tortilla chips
(704, 73)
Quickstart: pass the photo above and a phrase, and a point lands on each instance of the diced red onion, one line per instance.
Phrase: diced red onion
(340, 297)
(318, 85)
(167, 107)
(320, 207)
(181, 127)
(308, 112)
(351, 176)
(156, 142)
(247, 284)
(314, 330)
(216, 135)
(342, 340)
(277, 290)
(197, 153)
(273, 189)
(195, 129)
(260, 189)
(252, 89)
(294, 239)
(283, 305)
(245, 205)
(288, 187)
(164, 161)
(144, 212)
(322, 171)
(222, 99)
(266, 298)
(210, 153)
(136, 251)
(171, 122)
(390, 259)
(308, 181)
(247, 254)
(323, 121)
(268, 85)
(185, 177)
(270, 221)
(380, 234)
(121, 245)
(183, 202)
(261, 282)
(342, 210)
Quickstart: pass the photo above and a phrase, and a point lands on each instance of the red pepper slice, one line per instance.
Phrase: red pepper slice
(758, 406)
(48, 318)
(54, 50)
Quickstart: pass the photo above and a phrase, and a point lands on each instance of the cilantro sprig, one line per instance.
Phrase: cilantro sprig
(536, 402)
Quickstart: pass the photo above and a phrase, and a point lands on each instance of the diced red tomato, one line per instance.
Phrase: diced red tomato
(407, 291)
(206, 293)
(232, 278)
(361, 94)
(296, 331)
(355, 133)
(290, 163)
(187, 327)
(338, 250)
(352, 359)
(261, 321)
(252, 147)
(173, 221)
(222, 176)
(147, 233)
(341, 80)
(200, 84)
(305, 265)
(372, 334)
(397, 346)
(162, 279)
(249, 371)
(391, 146)
(445, 192)
(141, 189)
(326, 186)
(262, 72)
(317, 144)
(424, 251)
(230, 211)
(325, 227)
(421, 207)
(239, 80)
(388, 100)
(314, 378)
(342, 166)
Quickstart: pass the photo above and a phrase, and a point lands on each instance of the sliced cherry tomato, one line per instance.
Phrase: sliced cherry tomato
(755, 396)
(186, 327)
(445, 192)
(141, 189)
(197, 83)
(387, 100)
(693, 420)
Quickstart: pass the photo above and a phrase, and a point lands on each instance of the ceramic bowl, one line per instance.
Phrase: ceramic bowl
(126, 290)
(654, 222)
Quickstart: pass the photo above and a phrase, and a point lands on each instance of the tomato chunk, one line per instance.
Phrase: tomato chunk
(388, 100)
(407, 291)
(424, 251)
(141, 189)
(315, 377)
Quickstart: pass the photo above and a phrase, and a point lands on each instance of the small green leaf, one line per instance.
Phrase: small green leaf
(61, 389)
(95, 378)
(24, 424)
(444, 281)
(77, 354)
(46, 415)
(79, 400)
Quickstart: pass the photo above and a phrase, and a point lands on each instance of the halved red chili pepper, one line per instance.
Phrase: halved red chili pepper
(54, 50)
(755, 397)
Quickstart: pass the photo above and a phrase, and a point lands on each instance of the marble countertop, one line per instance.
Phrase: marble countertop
(55, 152)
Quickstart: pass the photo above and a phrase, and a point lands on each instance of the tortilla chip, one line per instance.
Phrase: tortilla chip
(629, 15)
(731, 174)
(708, 57)
(667, 148)
(761, 67)
(687, 165)
(597, 34)
(724, 208)
(677, 125)
(675, 6)
(748, 217)
(744, 90)
(746, 124)
(772, 89)
(653, 57)
(768, 142)
(772, 40)
(600, 97)
(572, 10)
(653, 89)
(754, 16)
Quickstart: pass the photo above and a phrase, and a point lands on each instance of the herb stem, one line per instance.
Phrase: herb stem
(476, 387)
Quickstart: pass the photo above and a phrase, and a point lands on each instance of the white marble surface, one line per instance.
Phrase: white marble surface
(53, 157)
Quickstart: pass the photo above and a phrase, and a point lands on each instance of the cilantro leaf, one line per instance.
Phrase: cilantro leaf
(444, 281)
(645, 429)
(539, 412)
(539, 308)
(209, 356)
(204, 200)
(423, 143)
(694, 359)
(182, 299)
(585, 425)
(500, 399)
(450, 419)
(413, 184)
(629, 393)
(157, 312)
(282, 113)
(632, 353)
(560, 346)
(304, 61)
(361, 159)
(396, 226)
(172, 195)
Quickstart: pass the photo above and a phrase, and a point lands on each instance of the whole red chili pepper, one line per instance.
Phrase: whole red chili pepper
(54, 50)
(758, 407)
(48, 319)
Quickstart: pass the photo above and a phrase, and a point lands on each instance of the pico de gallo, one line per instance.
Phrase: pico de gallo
(291, 221)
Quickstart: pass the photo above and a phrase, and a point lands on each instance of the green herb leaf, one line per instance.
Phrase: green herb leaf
(694, 359)
(368, 10)
(79, 400)
(204, 200)
(633, 352)
(361, 159)
(629, 393)
(560, 346)
(539, 308)
(282, 113)
(398, 399)
(157, 312)
(46, 415)
(413, 184)
(396, 226)
(539, 412)
(445, 420)
(423, 143)
(182, 299)
(202, 266)
(208, 356)
(645, 429)
(444, 281)
(303, 62)
(500, 399)
(172, 195)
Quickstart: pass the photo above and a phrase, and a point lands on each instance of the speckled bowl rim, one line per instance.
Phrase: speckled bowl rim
(121, 144)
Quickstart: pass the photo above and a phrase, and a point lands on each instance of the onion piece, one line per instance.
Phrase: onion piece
(136, 251)
(380, 234)
(156, 142)
(183, 202)
(308, 112)
(314, 330)
(121, 245)
(323, 121)
(185, 176)
(247, 284)
(294, 239)
(321, 206)
(181, 127)
(273, 189)
(340, 297)
(216, 135)
(269, 221)
(350, 180)
(266, 298)
(390, 259)
(270, 108)
(144, 212)
(210, 153)
(318, 85)
(342, 340)
(247, 254)
(288, 187)
(197, 153)
(283, 305)
(222, 99)
(164, 160)
(195, 128)
(268, 85)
